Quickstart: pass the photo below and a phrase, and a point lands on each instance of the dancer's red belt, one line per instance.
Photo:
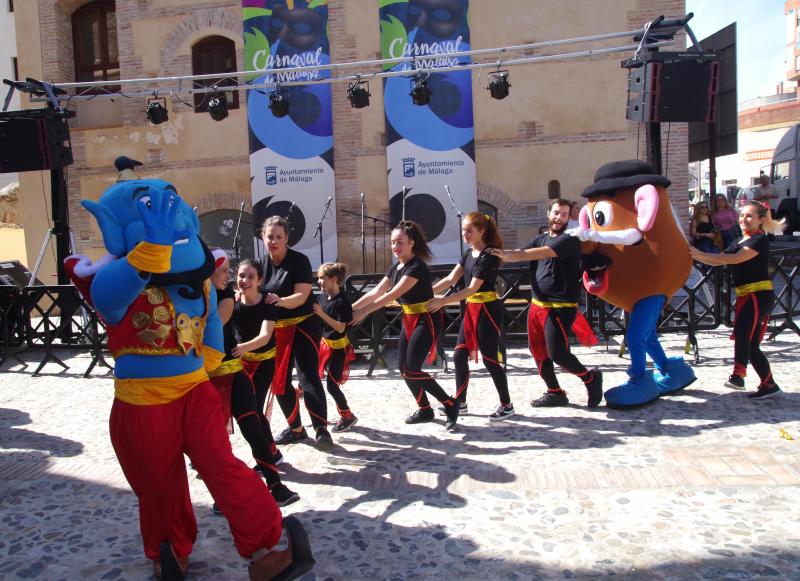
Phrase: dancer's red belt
(537, 314)
(285, 330)
(326, 349)
(411, 316)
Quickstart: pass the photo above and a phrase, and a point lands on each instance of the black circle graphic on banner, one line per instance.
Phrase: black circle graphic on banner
(423, 209)
(297, 222)
(445, 96)
(304, 106)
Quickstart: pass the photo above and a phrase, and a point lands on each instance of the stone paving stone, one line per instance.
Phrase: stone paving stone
(699, 485)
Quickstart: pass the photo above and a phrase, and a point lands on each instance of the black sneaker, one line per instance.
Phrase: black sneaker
(215, 509)
(551, 399)
(463, 408)
(283, 496)
(324, 440)
(595, 389)
(344, 424)
(502, 412)
(765, 392)
(289, 436)
(735, 382)
(452, 412)
(420, 416)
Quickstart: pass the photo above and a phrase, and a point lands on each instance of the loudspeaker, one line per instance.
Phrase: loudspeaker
(674, 87)
(33, 143)
(14, 273)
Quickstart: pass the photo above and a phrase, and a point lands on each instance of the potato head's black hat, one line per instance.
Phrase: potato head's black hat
(618, 175)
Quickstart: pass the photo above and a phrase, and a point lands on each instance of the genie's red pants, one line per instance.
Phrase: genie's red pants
(150, 442)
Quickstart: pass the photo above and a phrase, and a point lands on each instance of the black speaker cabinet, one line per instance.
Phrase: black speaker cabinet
(14, 273)
(674, 87)
(33, 143)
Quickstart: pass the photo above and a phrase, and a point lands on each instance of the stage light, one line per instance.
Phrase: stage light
(218, 107)
(156, 111)
(358, 95)
(498, 84)
(420, 93)
(279, 103)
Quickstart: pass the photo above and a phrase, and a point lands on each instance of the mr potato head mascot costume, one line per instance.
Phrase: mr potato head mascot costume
(640, 259)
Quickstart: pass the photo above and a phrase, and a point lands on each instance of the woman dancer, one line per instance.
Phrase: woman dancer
(335, 351)
(409, 282)
(287, 285)
(725, 219)
(483, 316)
(748, 258)
(701, 229)
(236, 389)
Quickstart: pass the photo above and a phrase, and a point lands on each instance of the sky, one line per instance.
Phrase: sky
(760, 39)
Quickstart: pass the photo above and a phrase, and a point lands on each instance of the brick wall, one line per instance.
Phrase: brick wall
(518, 217)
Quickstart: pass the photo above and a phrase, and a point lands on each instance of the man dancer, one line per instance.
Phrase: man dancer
(555, 262)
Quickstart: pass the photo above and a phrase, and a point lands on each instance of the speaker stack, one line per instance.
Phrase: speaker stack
(674, 87)
(33, 140)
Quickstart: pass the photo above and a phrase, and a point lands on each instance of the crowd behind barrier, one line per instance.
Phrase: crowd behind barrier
(46, 318)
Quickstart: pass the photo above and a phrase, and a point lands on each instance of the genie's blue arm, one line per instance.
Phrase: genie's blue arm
(213, 334)
(114, 289)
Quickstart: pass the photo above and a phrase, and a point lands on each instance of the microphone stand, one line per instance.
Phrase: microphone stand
(236, 240)
(363, 238)
(460, 215)
(319, 228)
(404, 193)
(375, 222)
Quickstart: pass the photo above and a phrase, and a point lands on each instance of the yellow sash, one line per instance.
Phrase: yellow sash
(262, 356)
(415, 309)
(548, 305)
(292, 321)
(227, 367)
(484, 297)
(753, 287)
(337, 343)
(157, 390)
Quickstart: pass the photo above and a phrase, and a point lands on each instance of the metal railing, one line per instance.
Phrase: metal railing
(46, 318)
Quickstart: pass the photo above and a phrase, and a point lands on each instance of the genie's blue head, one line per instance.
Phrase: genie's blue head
(122, 226)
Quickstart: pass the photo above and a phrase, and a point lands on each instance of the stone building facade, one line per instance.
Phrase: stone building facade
(562, 120)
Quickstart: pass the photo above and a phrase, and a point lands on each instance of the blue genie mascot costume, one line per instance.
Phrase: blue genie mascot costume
(636, 258)
(165, 336)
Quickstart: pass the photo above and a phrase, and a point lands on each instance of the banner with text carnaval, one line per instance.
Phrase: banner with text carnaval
(433, 145)
(291, 157)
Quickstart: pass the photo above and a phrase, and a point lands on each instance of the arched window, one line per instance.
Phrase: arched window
(553, 189)
(94, 37)
(488, 209)
(214, 54)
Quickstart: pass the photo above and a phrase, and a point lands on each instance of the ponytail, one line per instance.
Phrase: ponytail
(491, 235)
(415, 234)
(768, 225)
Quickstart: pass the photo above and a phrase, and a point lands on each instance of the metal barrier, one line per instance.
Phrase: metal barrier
(58, 317)
(50, 317)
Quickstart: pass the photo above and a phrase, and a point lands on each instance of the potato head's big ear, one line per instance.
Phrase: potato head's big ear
(646, 201)
(583, 218)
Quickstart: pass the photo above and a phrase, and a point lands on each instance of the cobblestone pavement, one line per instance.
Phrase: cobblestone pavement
(701, 485)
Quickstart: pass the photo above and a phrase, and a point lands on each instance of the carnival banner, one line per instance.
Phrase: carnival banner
(291, 156)
(430, 146)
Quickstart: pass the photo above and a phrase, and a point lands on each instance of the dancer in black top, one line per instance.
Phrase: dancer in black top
(287, 285)
(235, 387)
(335, 351)
(748, 259)
(555, 269)
(409, 282)
(482, 322)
